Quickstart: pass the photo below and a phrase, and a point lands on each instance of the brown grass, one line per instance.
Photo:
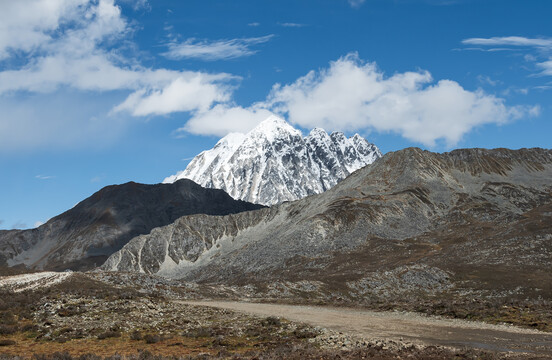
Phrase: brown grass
(173, 346)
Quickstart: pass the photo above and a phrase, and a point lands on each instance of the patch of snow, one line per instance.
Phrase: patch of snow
(18, 283)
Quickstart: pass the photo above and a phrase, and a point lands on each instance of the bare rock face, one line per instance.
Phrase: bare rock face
(430, 220)
(275, 163)
(84, 236)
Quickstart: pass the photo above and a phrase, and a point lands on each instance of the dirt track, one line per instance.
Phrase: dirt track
(403, 327)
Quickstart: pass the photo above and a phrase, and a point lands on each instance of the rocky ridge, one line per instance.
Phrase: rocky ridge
(84, 236)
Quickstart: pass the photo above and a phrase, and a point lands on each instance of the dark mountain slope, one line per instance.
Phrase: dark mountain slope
(87, 234)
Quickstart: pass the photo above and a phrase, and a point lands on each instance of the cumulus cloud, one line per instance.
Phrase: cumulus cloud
(195, 92)
(353, 95)
(215, 50)
(60, 46)
(28, 24)
(77, 58)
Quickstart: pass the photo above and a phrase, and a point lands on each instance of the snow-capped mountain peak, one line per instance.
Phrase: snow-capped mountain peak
(273, 127)
(318, 133)
(274, 162)
(231, 141)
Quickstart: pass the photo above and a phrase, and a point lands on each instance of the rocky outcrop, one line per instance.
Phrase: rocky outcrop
(84, 236)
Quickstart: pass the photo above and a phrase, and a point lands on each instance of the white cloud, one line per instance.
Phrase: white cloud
(224, 118)
(510, 41)
(196, 92)
(352, 95)
(57, 26)
(28, 24)
(77, 59)
(546, 67)
(254, 24)
(37, 224)
(138, 4)
(44, 177)
(66, 45)
(292, 25)
(483, 79)
(543, 47)
(214, 50)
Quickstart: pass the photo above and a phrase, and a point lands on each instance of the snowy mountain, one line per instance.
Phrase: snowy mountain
(275, 163)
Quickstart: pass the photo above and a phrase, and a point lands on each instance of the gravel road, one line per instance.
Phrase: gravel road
(402, 327)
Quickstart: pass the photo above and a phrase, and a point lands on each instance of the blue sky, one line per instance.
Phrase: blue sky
(100, 92)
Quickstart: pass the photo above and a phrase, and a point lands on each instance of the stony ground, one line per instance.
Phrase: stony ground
(96, 316)
(397, 329)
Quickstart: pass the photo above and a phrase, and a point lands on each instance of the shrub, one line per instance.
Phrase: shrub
(7, 329)
(109, 334)
(7, 318)
(271, 321)
(70, 310)
(199, 332)
(136, 335)
(152, 339)
(29, 327)
(304, 334)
